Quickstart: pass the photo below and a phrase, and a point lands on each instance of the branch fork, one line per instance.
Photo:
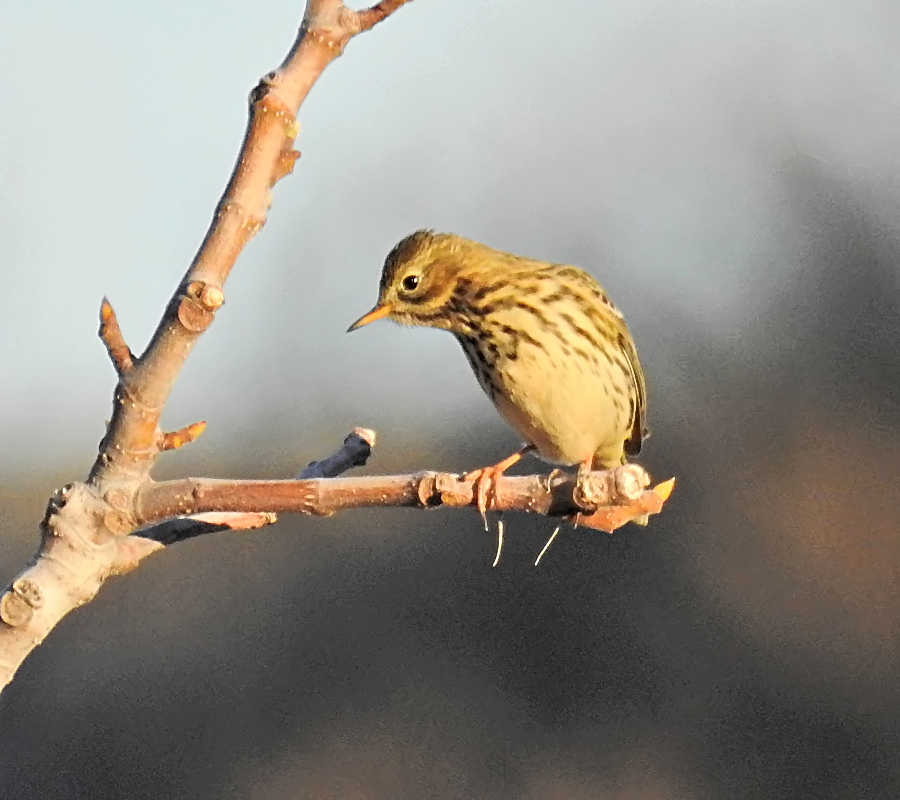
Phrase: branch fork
(86, 530)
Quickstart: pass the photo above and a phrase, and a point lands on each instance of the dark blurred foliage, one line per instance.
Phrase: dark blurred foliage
(745, 645)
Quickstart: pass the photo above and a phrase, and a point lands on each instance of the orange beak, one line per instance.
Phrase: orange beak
(376, 313)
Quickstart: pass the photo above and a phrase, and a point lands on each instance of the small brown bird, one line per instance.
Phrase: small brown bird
(545, 342)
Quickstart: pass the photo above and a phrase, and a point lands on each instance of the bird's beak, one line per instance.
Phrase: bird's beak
(376, 313)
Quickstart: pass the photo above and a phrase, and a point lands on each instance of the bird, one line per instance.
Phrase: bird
(546, 344)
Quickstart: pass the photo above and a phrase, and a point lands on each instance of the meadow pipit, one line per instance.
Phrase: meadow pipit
(545, 342)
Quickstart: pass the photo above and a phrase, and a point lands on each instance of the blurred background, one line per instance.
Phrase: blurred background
(728, 170)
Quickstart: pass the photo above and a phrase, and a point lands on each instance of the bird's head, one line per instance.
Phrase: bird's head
(420, 278)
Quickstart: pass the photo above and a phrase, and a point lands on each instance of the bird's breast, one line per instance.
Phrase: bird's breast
(566, 396)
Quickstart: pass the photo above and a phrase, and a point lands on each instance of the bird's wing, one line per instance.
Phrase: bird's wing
(639, 430)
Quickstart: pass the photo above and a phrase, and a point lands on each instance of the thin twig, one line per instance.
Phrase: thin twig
(380, 11)
(175, 439)
(178, 529)
(111, 335)
(355, 452)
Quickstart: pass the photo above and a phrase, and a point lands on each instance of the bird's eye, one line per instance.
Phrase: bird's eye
(410, 282)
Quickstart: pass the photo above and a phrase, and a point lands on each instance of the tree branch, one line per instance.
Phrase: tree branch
(605, 500)
(85, 530)
(354, 452)
(133, 439)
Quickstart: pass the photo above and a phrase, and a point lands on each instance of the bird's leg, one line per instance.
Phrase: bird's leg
(486, 480)
(584, 467)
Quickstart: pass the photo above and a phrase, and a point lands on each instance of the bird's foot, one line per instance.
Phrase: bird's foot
(486, 482)
(485, 487)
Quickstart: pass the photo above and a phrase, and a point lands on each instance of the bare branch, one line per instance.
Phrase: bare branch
(600, 500)
(354, 452)
(132, 442)
(85, 531)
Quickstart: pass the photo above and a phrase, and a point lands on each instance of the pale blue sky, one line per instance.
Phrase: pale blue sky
(646, 141)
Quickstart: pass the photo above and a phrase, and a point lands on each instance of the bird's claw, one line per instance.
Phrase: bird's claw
(485, 480)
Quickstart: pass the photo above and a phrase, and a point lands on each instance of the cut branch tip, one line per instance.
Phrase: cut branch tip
(366, 434)
(354, 452)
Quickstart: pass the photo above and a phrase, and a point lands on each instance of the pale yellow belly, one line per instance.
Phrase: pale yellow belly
(568, 408)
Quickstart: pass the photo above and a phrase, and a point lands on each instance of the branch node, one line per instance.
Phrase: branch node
(175, 439)
(623, 484)
(631, 480)
(249, 224)
(349, 20)
(117, 523)
(209, 296)
(29, 591)
(430, 489)
(18, 605)
(117, 499)
(325, 37)
(270, 105)
(111, 335)
(14, 611)
(449, 490)
(193, 314)
(285, 164)
(611, 517)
